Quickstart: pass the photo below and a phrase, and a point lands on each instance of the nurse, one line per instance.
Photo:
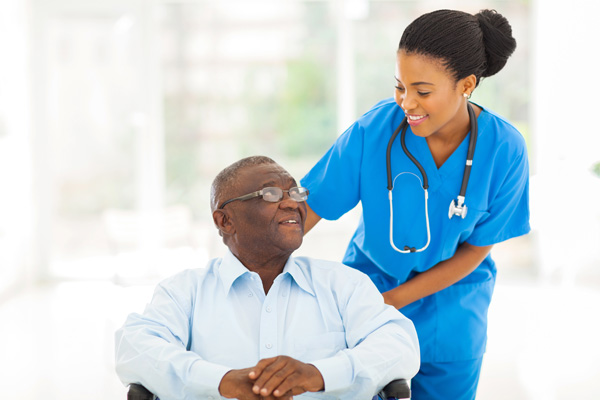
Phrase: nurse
(446, 288)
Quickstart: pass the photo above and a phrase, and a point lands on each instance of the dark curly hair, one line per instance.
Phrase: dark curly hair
(465, 44)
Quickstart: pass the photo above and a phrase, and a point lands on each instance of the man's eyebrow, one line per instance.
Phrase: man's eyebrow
(268, 184)
(272, 183)
(415, 83)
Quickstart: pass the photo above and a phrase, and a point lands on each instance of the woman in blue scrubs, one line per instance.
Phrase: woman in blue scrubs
(446, 288)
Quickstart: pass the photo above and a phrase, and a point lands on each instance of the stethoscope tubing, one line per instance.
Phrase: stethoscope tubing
(470, 152)
(406, 248)
(402, 128)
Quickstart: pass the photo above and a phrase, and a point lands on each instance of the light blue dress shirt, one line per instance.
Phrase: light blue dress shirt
(202, 323)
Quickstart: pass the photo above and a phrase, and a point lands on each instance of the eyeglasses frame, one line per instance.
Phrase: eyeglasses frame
(260, 193)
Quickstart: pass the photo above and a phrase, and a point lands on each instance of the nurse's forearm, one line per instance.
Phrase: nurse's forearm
(442, 275)
(311, 219)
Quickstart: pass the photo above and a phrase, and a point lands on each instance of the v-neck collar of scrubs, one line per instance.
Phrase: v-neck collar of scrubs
(454, 164)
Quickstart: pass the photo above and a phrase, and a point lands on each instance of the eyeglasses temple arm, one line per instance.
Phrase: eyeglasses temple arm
(242, 198)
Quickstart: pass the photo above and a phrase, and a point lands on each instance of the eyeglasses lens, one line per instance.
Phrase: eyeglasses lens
(298, 194)
(272, 194)
(275, 194)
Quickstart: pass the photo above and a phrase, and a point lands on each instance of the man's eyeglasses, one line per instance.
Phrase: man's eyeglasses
(273, 195)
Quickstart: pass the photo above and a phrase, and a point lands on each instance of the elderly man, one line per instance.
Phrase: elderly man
(258, 323)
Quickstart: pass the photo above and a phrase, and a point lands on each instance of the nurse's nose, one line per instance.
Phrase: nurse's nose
(408, 101)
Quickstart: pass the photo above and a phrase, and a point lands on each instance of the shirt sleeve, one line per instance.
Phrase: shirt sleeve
(508, 212)
(334, 182)
(151, 349)
(382, 345)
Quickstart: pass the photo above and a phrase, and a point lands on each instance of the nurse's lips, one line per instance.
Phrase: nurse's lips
(414, 119)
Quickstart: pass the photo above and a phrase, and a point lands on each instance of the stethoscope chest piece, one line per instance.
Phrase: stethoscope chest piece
(458, 208)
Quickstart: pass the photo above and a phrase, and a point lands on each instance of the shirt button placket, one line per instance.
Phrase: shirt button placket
(268, 331)
(268, 324)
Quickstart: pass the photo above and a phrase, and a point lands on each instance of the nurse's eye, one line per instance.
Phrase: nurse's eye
(399, 88)
(423, 93)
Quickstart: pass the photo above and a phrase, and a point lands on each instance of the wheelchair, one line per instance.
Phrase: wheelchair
(395, 390)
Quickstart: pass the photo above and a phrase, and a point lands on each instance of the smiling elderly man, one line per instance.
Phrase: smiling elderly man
(258, 323)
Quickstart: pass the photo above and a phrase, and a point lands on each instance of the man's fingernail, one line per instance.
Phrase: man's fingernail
(256, 389)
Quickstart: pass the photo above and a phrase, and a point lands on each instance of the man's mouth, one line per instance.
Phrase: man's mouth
(289, 221)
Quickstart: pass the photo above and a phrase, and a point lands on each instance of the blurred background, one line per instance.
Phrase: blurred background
(115, 116)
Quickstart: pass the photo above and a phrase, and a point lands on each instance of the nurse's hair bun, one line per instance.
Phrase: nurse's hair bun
(498, 40)
(465, 44)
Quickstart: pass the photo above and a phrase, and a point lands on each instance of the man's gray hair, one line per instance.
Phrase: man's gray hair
(228, 177)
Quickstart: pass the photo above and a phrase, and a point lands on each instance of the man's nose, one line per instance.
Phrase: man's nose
(287, 202)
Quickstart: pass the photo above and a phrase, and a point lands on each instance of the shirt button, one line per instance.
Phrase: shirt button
(269, 309)
(283, 294)
(250, 295)
(268, 345)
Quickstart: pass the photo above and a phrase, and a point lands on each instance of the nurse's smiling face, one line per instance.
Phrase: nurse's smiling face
(430, 96)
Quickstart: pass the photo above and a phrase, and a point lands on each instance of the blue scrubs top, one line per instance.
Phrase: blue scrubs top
(452, 323)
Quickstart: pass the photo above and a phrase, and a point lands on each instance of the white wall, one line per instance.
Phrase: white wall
(565, 203)
(15, 172)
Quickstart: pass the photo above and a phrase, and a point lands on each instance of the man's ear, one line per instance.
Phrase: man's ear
(223, 222)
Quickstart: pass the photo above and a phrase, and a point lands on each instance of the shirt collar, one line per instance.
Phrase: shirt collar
(295, 270)
(231, 269)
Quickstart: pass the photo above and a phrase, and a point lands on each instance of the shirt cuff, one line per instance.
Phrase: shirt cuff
(206, 378)
(336, 371)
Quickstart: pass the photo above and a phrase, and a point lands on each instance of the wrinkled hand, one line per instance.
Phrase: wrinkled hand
(237, 384)
(283, 375)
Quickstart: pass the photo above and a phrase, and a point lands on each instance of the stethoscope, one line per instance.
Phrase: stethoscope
(457, 207)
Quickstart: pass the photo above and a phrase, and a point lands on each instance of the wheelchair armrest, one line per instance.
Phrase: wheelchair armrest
(396, 389)
(138, 392)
